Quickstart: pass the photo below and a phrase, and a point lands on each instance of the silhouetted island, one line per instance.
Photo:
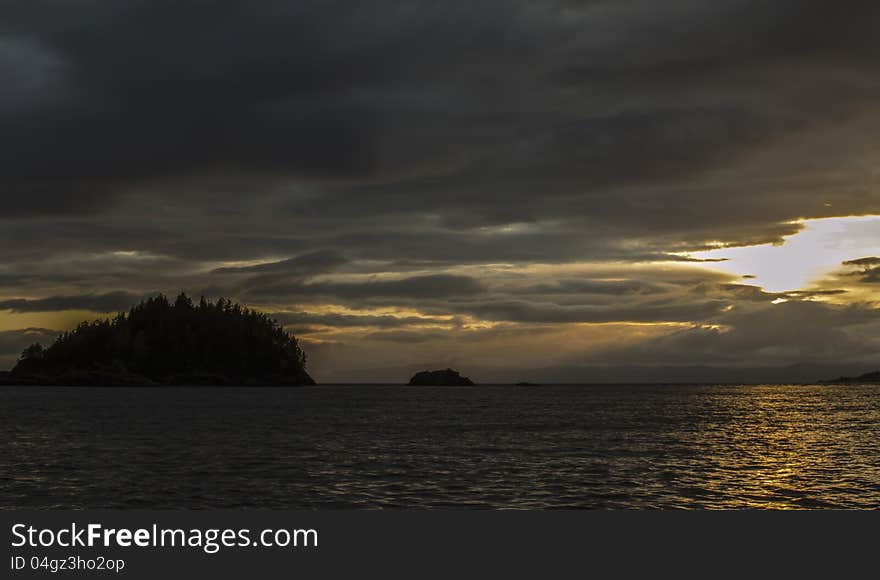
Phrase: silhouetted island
(527, 384)
(865, 379)
(158, 342)
(442, 378)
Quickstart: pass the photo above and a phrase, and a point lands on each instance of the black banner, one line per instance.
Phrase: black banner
(415, 544)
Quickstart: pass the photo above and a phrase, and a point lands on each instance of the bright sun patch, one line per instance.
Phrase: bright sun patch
(804, 258)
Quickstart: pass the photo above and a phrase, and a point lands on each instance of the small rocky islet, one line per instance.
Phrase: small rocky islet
(439, 378)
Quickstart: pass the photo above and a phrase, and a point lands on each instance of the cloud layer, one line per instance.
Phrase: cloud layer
(442, 174)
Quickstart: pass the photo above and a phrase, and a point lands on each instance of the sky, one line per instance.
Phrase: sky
(557, 191)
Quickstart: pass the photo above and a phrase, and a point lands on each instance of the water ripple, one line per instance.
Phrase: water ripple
(782, 447)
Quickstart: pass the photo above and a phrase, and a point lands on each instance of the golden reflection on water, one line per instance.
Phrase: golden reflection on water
(796, 447)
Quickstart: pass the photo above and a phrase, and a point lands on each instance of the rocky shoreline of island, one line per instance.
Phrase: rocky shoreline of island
(99, 378)
(872, 378)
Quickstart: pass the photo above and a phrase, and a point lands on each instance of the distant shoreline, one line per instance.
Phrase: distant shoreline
(12, 383)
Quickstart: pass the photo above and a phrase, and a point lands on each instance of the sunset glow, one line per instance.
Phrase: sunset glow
(805, 258)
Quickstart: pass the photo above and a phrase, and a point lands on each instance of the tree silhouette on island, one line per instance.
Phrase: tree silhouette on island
(158, 342)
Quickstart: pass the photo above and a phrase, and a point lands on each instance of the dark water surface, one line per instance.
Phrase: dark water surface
(500, 447)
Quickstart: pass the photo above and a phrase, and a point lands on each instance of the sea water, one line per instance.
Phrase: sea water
(588, 446)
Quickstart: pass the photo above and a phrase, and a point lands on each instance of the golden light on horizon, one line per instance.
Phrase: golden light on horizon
(60, 320)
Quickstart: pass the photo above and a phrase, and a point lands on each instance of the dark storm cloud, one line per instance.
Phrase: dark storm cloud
(867, 270)
(403, 336)
(867, 262)
(352, 320)
(613, 287)
(400, 106)
(150, 90)
(872, 276)
(110, 302)
(416, 287)
(307, 264)
(858, 276)
(536, 312)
